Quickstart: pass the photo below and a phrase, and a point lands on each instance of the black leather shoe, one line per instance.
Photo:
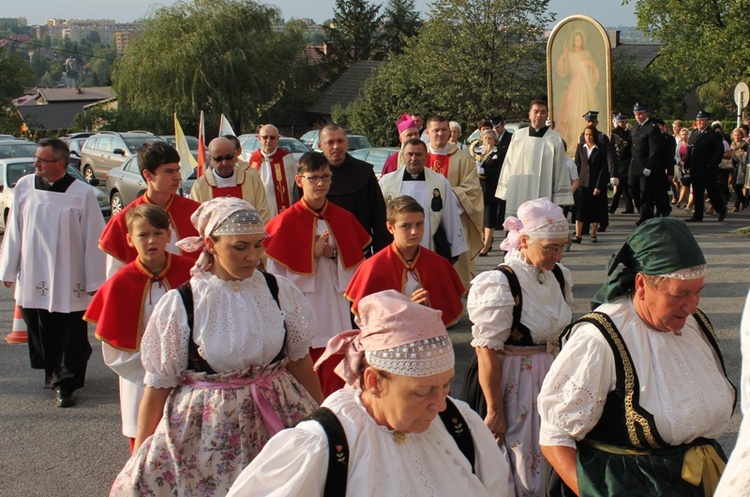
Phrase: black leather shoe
(722, 216)
(626, 211)
(693, 220)
(64, 397)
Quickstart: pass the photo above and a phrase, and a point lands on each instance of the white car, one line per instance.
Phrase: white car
(12, 170)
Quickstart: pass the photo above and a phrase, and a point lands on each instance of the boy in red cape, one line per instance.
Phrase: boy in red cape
(160, 167)
(318, 246)
(122, 306)
(419, 273)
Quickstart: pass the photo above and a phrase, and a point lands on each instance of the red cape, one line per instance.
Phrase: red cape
(387, 270)
(179, 208)
(292, 234)
(117, 307)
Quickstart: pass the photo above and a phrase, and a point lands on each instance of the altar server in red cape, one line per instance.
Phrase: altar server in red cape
(122, 306)
(160, 167)
(405, 266)
(318, 246)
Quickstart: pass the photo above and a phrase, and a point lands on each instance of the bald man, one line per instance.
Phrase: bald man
(277, 169)
(226, 179)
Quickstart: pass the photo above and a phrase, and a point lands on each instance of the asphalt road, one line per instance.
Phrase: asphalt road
(52, 452)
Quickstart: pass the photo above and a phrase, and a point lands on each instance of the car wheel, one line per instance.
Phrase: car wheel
(116, 203)
(88, 174)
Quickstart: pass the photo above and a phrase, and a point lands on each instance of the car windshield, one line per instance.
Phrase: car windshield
(75, 173)
(136, 141)
(291, 145)
(192, 142)
(356, 142)
(18, 171)
(18, 150)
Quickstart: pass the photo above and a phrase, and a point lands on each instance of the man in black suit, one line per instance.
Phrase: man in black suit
(622, 142)
(647, 158)
(705, 152)
(666, 172)
(503, 142)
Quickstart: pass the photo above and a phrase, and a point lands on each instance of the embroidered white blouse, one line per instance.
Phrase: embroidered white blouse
(237, 324)
(545, 311)
(680, 377)
(295, 461)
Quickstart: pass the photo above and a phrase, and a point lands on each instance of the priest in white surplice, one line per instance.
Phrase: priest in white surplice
(433, 192)
(50, 249)
(277, 169)
(535, 165)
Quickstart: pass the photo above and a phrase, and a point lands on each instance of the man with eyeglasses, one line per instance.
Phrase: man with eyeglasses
(50, 250)
(442, 231)
(355, 187)
(277, 169)
(226, 179)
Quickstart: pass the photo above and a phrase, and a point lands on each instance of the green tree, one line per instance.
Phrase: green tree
(705, 44)
(220, 56)
(15, 74)
(400, 22)
(354, 33)
(471, 60)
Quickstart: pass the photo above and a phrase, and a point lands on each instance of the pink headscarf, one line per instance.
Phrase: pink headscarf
(390, 324)
(539, 218)
(207, 218)
(405, 122)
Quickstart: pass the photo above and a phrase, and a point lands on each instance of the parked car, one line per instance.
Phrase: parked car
(311, 137)
(8, 137)
(75, 145)
(125, 183)
(375, 156)
(250, 144)
(192, 142)
(511, 127)
(108, 149)
(12, 170)
(10, 149)
(355, 142)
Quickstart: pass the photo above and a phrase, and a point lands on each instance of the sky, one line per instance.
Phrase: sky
(607, 12)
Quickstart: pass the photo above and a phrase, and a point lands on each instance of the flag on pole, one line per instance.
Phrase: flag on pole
(225, 128)
(187, 161)
(201, 147)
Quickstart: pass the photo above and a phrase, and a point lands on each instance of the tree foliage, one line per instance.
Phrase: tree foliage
(354, 33)
(220, 56)
(15, 74)
(400, 22)
(472, 59)
(705, 44)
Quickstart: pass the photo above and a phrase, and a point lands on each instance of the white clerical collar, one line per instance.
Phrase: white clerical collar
(439, 151)
(268, 156)
(225, 182)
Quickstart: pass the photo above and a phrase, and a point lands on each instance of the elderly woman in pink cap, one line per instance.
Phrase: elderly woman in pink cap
(393, 431)
(518, 312)
(226, 360)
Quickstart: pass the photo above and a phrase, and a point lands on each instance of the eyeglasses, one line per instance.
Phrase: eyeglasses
(45, 161)
(551, 249)
(325, 178)
(222, 158)
(272, 137)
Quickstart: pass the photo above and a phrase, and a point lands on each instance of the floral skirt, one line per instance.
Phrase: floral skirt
(522, 377)
(207, 436)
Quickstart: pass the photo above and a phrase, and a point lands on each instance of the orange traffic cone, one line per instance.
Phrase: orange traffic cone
(19, 333)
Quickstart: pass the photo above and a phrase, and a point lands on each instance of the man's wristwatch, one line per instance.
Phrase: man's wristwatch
(335, 255)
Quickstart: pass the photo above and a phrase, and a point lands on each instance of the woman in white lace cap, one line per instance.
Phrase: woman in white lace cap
(518, 311)
(391, 439)
(226, 362)
(637, 396)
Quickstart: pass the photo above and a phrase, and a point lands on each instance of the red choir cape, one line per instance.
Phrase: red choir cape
(278, 175)
(292, 235)
(117, 307)
(388, 270)
(179, 208)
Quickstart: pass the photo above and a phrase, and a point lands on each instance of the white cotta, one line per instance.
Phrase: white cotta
(680, 377)
(294, 462)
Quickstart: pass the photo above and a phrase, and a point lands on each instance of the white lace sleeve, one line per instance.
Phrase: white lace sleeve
(299, 319)
(575, 389)
(490, 306)
(164, 347)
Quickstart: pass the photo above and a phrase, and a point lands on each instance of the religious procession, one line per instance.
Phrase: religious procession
(286, 329)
